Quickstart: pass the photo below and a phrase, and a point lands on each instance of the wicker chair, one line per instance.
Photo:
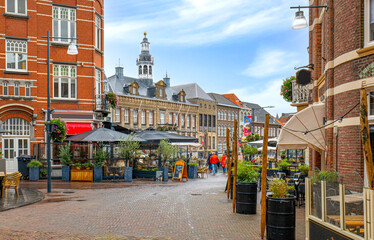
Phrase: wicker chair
(11, 180)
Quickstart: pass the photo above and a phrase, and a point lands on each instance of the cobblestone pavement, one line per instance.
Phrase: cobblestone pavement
(176, 210)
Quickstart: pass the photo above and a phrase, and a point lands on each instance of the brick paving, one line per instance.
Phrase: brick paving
(148, 210)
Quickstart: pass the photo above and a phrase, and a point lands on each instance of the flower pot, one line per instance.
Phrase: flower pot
(246, 198)
(280, 218)
(98, 174)
(34, 174)
(128, 174)
(65, 173)
(165, 176)
(192, 171)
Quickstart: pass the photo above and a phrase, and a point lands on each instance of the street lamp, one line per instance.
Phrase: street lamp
(299, 22)
(72, 50)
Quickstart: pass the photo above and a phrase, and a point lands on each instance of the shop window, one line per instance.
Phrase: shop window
(16, 6)
(16, 55)
(64, 24)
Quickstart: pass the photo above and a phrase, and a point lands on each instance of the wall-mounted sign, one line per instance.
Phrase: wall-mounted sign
(303, 77)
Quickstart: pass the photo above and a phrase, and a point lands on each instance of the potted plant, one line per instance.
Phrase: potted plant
(246, 188)
(286, 89)
(99, 161)
(280, 211)
(65, 159)
(128, 150)
(192, 170)
(283, 166)
(304, 169)
(59, 132)
(165, 152)
(113, 100)
(34, 172)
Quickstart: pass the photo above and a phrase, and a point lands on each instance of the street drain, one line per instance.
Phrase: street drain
(67, 192)
(196, 194)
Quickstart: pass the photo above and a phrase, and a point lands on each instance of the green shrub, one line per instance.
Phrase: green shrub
(279, 188)
(34, 164)
(154, 169)
(304, 169)
(193, 164)
(100, 157)
(328, 176)
(247, 173)
(284, 164)
(65, 155)
(87, 165)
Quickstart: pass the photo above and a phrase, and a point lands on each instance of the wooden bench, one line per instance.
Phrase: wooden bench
(202, 171)
(353, 223)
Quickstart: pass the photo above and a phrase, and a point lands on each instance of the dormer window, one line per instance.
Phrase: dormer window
(134, 88)
(160, 89)
(182, 96)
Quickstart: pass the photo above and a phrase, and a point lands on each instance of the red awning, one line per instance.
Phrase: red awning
(75, 128)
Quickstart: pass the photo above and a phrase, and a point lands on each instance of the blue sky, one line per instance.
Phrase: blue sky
(244, 47)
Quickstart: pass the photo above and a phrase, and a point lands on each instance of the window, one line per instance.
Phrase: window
(214, 142)
(27, 90)
(236, 116)
(64, 24)
(5, 89)
(16, 6)
(16, 89)
(118, 114)
(162, 117)
(64, 81)
(219, 147)
(135, 116)
(143, 117)
(170, 118)
(126, 116)
(188, 120)
(140, 70)
(97, 32)
(145, 69)
(150, 117)
(98, 82)
(228, 116)
(182, 120)
(16, 55)
(193, 121)
(176, 117)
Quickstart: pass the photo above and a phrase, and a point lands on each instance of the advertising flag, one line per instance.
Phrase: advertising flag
(247, 125)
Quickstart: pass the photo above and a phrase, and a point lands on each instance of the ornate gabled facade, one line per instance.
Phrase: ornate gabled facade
(144, 104)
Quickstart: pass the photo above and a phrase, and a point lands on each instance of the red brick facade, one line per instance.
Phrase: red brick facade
(30, 28)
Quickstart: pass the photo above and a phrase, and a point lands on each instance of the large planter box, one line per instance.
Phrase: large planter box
(65, 173)
(128, 174)
(246, 198)
(81, 175)
(98, 174)
(147, 174)
(192, 171)
(281, 218)
(165, 176)
(34, 174)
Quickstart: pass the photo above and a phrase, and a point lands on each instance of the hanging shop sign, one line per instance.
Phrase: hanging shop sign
(303, 77)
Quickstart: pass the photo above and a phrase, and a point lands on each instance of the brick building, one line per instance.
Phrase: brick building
(227, 112)
(76, 86)
(341, 44)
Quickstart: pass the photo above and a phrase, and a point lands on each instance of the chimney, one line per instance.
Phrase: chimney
(167, 80)
(119, 72)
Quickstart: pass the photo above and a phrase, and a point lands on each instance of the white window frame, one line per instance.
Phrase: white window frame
(150, 117)
(16, 8)
(97, 32)
(98, 82)
(126, 116)
(16, 47)
(118, 115)
(27, 90)
(162, 117)
(170, 118)
(71, 75)
(16, 89)
(188, 120)
(70, 18)
(135, 116)
(5, 89)
(143, 116)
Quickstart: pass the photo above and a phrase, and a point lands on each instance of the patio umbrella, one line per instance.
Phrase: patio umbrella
(103, 135)
(154, 136)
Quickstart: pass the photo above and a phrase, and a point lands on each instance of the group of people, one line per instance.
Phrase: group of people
(213, 162)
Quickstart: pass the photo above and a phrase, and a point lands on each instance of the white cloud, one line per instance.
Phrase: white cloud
(271, 62)
(269, 95)
(197, 22)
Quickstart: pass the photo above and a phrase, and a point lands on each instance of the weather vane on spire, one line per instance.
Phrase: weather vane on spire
(145, 34)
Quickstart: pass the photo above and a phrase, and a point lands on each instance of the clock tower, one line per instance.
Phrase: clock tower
(145, 61)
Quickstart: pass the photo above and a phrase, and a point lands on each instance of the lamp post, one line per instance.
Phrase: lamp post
(72, 50)
(299, 21)
(253, 116)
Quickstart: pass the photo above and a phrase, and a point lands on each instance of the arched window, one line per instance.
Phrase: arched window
(16, 127)
(150, 70)
(145, 69)
(140, 70)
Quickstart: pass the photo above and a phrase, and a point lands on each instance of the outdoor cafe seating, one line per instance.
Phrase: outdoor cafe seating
(10, 181)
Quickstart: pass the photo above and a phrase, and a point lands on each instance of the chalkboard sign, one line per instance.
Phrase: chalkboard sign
(180, 170)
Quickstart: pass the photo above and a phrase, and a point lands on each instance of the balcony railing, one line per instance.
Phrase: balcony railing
(101, 104)
(300, 94)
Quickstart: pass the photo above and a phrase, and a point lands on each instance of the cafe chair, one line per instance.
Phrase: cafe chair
(11, 180)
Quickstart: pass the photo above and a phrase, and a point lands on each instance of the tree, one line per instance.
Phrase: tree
(249, 150)
(252, 137)
(166, 150)
(129, 148)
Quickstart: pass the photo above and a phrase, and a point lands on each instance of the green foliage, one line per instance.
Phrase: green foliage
(249, 150)
(128, 149)
(247, 173)
(328, 176)
(286, 89)
(284, 164)
(279, 188)
(304, 169)
(65, 155)
(113, 100)
(252, 137)
(43, 172)
(87, 165)
(166, 150)
(34, 164)
(59, 134)
(154, 169)
(193, 164)
(78, 164)
(100, 157)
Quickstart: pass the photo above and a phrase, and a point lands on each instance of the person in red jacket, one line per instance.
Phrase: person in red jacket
(223, 163)
(213, 160)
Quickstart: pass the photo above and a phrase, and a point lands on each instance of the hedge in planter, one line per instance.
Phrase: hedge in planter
(192, 170)
(65, 159)
(34, 171)
(280, 211)
(99, 161)
(246, 190)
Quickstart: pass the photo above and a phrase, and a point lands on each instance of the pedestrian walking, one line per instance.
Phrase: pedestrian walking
(213, 160)
(209, 163)
(223, 163)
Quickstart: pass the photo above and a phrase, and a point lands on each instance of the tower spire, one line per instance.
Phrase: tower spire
(145, 61)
